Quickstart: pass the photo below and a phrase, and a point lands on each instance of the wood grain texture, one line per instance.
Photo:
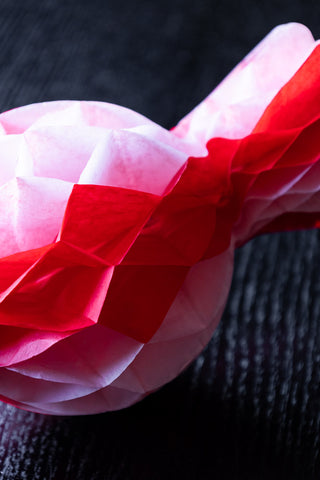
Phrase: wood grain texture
(249, 406)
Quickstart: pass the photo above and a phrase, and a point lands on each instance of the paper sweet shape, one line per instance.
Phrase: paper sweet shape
(117, 236)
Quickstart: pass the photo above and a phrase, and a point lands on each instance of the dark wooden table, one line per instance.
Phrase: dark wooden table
(249, 406)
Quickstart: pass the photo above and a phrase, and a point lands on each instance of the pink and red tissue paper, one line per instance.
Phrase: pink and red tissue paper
(117, 236)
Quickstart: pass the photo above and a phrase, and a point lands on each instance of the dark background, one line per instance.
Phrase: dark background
(249, 406)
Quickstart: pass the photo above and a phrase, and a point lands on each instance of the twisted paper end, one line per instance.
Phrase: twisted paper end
(272, 174)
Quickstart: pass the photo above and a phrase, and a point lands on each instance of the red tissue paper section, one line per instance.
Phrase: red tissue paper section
(117, 236)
